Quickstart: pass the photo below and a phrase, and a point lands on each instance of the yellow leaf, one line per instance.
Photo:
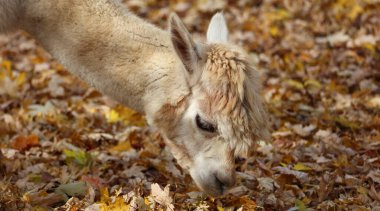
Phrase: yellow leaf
(299, 66)
(277, 15)
(220, 208)
(104, 195)
(118, 205)
(146, 201)
(355, 11)
(126, 115)
(282, 14)
(121, 147)
(301, 167)
(7, 66)
(312, 82)
(369, 47)
(130, 117)
(274, 31)
(3, 72)
(21, 79)
(347, 8)
(295, 84)
(113, 116)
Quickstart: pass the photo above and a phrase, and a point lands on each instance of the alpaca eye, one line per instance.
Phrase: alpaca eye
(203, 125)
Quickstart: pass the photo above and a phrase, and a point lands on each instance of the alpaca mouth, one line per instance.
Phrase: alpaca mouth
(212, 183)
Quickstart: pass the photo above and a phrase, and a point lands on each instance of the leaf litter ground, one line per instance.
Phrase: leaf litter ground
(64, 146)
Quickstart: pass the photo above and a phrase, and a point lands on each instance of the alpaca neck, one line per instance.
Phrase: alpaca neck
(119, 54)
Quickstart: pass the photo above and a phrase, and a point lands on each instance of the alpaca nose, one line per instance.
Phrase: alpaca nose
(225, 182)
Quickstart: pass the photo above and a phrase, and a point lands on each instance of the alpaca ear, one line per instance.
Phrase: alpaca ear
(183, 44)
(217, 31)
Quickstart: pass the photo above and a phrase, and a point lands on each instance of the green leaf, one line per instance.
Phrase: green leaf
(79, 157)
(72, 189)
(346, 123)
(34, 178)
(300, 205)
(301, 167)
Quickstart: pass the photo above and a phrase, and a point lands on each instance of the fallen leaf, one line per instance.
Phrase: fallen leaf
(303, 177)
(72, 189)
(304, 131)
(42, 110)
(267, 184)
(346, 123)
(79, 157)
(374, 175)
(113, 116)
(301, 167)
(162, 196)
(121, 147)
(23, 143)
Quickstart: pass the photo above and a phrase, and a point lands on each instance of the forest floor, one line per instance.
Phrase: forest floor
(65, 146)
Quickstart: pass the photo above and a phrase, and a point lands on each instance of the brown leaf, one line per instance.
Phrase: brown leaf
(374, 175)
(374, 194)
(301, 176)
(326, 186)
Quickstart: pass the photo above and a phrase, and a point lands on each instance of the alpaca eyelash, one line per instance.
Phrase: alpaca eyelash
(203, 125)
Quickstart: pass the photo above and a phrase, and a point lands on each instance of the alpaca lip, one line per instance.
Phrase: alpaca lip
(214, 183)
(225, 184)
(221, 185)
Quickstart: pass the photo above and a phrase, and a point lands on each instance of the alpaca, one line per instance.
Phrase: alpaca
(204, 98)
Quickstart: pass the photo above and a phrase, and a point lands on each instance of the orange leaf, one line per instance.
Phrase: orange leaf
(22, 143)
(121, 147)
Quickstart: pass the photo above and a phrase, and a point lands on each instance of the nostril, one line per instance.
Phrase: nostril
(220, 184)
(225, 182)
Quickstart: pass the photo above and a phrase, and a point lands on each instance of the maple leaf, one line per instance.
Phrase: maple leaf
(162, 196)
(109, 204)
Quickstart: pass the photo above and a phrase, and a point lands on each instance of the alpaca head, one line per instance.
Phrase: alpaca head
(222, 116)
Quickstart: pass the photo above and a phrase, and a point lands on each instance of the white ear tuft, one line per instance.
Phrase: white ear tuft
(217, 31)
